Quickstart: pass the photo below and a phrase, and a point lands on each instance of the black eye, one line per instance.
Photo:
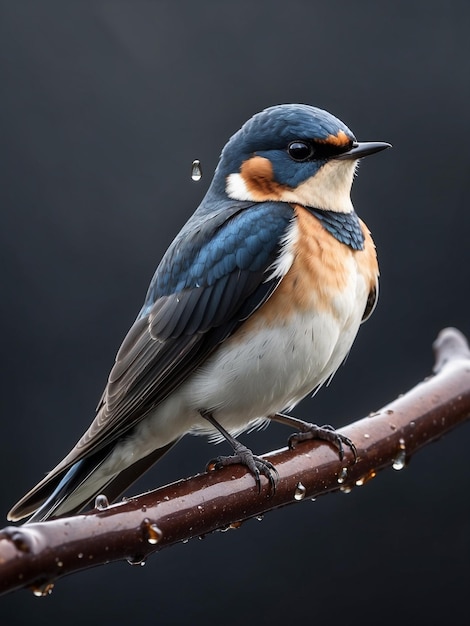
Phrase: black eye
(300, 150)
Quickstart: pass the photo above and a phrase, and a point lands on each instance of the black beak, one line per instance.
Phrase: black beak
(359, 150)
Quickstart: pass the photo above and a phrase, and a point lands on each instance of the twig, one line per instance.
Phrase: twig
(37, 554)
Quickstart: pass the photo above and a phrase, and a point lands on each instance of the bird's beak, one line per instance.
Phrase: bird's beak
(359, 150)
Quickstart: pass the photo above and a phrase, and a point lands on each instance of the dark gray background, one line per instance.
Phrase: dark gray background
(103, 107)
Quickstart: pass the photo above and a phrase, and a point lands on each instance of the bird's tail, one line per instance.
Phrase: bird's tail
(69, 492)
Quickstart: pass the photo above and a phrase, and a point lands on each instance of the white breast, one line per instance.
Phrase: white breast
(277, 366)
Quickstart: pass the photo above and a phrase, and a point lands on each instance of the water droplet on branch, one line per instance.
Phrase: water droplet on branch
(101, 502)
(152, 533)
(300, 491)
(342, 475)
(137, 560)
(399, 461)
(43, 590)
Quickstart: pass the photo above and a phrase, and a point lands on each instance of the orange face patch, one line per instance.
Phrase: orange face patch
(340, 139)
(258, 176)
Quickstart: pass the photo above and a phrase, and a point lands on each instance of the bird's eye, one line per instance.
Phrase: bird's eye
(300, 150)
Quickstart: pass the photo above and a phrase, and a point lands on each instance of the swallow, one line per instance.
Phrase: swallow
(255, 305)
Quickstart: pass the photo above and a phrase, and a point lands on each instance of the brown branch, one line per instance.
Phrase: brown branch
(37, 554)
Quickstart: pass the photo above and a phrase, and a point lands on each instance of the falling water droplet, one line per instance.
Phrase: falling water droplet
(43, 590)
(300, 491)
(345, 488)
(399, 461)
(196, 170)
(152, 533)
(101, 502)
(342, 475)
(259, 518)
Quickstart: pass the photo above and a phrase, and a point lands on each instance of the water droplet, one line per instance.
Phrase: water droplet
(259, 518)
(365, 479)
(59, 563)
(196, 170)
(235, 525)
(80, 555)
(144, 509)
(345, 488)
(43, 590)
(300, 491)
(137, 560)
(342, 475)
(101, 502)
(313, 499)
(185, 541)
(152, 533)
(366, 436)
(401, 442)
(399, 461)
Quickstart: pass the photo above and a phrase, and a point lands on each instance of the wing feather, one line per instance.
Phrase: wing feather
(187, 315)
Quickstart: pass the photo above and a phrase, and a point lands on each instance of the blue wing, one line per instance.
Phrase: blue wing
(212, 278)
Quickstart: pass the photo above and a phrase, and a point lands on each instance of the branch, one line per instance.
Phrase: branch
(36, 555)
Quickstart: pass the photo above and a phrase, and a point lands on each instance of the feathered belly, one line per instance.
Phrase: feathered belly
(292, 344)
(271, 369)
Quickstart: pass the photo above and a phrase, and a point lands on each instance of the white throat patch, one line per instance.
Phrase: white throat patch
(329, 189)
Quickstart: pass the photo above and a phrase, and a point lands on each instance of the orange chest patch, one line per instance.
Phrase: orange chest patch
(322, 270)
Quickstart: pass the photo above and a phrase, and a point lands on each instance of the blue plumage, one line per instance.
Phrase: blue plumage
(345, 227)
(244, 242)
(172, 373)
(268, 133)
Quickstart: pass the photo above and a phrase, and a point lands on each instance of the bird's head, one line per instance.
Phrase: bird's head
(293, 153)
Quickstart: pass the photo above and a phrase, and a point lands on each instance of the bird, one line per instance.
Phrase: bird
(255, 305)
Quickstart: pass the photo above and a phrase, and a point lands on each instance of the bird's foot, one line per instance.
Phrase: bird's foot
(256, 465)
(324, 433)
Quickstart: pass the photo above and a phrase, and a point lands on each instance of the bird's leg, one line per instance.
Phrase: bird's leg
(242, 455)
(312, 431)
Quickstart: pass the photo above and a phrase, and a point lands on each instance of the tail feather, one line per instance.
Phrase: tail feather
(70, 492)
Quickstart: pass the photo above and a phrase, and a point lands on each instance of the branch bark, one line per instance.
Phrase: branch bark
(36, 555)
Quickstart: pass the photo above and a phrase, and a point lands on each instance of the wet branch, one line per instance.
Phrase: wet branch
(36, 555)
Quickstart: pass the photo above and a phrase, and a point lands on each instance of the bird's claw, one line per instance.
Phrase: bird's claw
(255, 464)
(324, 433)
